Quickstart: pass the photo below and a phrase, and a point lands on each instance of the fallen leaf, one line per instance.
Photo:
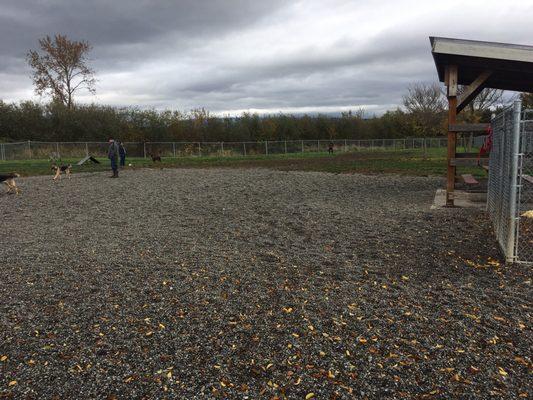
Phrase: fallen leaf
(3, 358)
(309, 396)
(502, 372)
(12, 383)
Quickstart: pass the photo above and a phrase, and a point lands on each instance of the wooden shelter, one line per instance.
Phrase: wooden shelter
(476, 65)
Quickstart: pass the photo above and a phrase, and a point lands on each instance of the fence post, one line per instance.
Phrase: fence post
(244, 147)
(174, 149)
(199, 149)
(3, 152)
(285, 147)
(57, 150)
(144, 149)
(29, 149)
(511, 246)
(318, 146)
(302, 146)
(266, 147)
(86, 149)
(221, 148)
(345, 146)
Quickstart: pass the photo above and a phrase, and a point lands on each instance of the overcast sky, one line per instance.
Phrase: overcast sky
(265, 56)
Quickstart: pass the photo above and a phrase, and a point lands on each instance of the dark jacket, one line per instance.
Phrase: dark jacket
(121, 150)
(113, 150)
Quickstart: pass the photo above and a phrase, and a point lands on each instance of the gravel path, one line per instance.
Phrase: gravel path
(255, 284)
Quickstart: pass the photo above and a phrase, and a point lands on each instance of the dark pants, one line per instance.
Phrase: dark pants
(122, 160)
(114, 165)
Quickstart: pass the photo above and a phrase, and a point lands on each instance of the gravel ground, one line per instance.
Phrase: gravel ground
(255, 284)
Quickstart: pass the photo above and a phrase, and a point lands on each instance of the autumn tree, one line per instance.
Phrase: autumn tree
(426, 105)
(60, 68)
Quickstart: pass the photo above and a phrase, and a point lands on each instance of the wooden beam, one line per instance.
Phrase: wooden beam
(469, 127)
(469, 155)
(451, 83)
(450, 80)
(473, 90)
(468, 162)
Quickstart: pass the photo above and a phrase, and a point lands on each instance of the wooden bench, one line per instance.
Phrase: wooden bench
(469, 179)
(527, 178)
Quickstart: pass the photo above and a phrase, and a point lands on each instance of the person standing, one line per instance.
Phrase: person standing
(113, 154)
(122, 154)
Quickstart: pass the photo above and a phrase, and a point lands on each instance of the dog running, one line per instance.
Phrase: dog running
(63, 169)
(9, 180)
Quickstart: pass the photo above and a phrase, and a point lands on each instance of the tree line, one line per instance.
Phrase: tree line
(29, 120)
(423, 115)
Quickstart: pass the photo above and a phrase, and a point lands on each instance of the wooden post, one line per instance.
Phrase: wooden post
(285, 147)
(244, 147)
(266, 147)
(86, 149)
(302, 146)
(451, 83)
(174, 149)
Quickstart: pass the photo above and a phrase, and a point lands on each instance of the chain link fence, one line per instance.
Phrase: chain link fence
(43, 150)
(524, 228)
(510, 190)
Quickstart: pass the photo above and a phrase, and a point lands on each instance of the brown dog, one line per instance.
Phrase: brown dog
(62, 169)
(9, 180)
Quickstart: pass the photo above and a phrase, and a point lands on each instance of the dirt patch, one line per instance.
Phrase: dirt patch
(253, 284)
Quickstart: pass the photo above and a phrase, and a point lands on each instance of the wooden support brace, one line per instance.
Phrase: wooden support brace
(473, 90)
(469, 127)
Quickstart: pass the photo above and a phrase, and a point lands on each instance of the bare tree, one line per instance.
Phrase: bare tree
(527, 100)
(424, 98)
(60, 68)
(426, 104)
(480, 109)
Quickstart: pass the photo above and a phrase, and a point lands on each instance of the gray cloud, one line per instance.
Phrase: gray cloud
(244, 54)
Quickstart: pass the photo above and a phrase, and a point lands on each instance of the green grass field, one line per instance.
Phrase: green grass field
(408, 162)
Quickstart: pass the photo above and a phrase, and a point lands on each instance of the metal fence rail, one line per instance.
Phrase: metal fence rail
(43, 150)
(510, 191)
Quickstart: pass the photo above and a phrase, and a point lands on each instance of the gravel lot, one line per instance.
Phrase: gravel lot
(226, 283)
